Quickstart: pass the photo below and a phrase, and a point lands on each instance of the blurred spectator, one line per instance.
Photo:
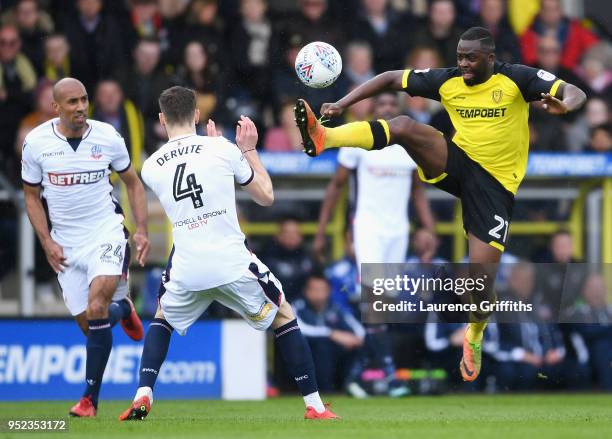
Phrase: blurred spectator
(333, 334)
(386, 31)
(287, 257)
(250, 43)
(561, 278)
(528, 348)
(358, 63)
(17, 80)
(33, 24)
(596, 71)
(57, 57)
(593, 321)
(146, 18)
(579, 133)
(196, 73)
(425, 245)
(313, 24)
(97, 43)
(203, 25)
(143, 83)
(361, 110)
(601, 138)
(286, 136)
(444, 343)
(551, 21)
(110, 106)
(440, 31)
(44, 111)
(493, 17)
(343, 277)
(417, 107)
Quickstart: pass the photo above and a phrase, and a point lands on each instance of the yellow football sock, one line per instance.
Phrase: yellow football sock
(475, 332)
(365, 135)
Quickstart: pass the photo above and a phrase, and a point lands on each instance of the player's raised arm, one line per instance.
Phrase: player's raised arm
(260, 187)
(568, 98)
(138, 204)
(387, 81)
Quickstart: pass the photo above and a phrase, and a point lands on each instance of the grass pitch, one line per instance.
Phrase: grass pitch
(457, 416)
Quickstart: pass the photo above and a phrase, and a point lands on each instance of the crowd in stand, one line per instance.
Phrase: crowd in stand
(238, 55)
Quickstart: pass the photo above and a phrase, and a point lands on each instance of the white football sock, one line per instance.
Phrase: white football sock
(144, 391)
(314, 400)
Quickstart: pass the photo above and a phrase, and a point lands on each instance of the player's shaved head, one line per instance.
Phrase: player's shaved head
(67, 86)
(482, 35)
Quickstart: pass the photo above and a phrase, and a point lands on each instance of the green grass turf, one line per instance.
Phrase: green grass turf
(470, 416)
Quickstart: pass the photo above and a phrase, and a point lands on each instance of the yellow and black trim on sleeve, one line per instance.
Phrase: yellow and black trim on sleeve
(555, 87)
(405, 78)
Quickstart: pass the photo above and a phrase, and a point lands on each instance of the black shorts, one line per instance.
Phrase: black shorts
(486, 204)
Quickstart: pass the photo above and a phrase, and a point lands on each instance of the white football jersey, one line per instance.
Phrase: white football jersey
(193, 177)
(384, 181)
(75, 183)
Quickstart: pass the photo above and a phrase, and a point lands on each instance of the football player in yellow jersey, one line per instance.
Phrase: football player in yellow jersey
(484, 163)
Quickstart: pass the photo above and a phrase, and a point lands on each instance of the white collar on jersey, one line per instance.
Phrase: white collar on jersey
(181, 137)
(55, 122)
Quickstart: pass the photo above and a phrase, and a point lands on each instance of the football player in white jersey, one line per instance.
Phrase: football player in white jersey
(386, 179)
(70, 158)
(193, 177)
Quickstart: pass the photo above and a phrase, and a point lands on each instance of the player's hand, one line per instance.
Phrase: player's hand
(246, 134)
(331, 110)
(55, 255)
(141, 240)
(553, 105)
(211, 129)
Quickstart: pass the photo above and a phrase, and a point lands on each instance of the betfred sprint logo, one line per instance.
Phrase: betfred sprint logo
(46, 360)
(73, 178)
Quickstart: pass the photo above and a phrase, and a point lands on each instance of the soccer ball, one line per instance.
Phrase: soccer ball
(318, 64)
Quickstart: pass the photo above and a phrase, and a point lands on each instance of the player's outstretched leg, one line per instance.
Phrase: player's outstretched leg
(425, 144)
(298, 359)
(99, 343)
(154, 353)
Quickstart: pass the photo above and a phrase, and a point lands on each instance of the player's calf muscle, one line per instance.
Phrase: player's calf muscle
(283, 316)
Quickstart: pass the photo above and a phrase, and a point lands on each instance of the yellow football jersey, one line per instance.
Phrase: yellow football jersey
(490, 119)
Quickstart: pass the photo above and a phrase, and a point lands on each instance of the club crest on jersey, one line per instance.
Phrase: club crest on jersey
(497, 96)
(96, 152)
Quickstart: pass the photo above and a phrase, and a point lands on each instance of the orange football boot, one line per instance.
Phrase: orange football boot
(84, 408)
(311, 413)
(132, 324)
(313, 133)
(138, 411)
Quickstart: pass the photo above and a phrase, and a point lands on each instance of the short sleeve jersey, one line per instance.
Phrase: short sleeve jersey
(75, 182)
(193, 177)
(384, 180)
(490, 119)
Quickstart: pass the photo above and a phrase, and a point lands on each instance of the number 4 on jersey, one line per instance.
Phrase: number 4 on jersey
(193, 189)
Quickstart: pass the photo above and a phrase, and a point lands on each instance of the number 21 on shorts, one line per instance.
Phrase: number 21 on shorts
(495, 231)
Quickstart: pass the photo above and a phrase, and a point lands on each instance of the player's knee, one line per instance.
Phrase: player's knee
(283, 316)
(97, 309)
(401, 127)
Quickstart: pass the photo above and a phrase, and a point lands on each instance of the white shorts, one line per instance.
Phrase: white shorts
(108, 257)
(371, 247)
(256, 296)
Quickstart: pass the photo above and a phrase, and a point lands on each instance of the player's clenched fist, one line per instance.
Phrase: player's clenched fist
(55, 255)
(331, 110)
(246, 134)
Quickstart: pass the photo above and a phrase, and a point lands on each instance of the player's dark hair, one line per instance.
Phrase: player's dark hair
(178, 105)
(480, 34)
